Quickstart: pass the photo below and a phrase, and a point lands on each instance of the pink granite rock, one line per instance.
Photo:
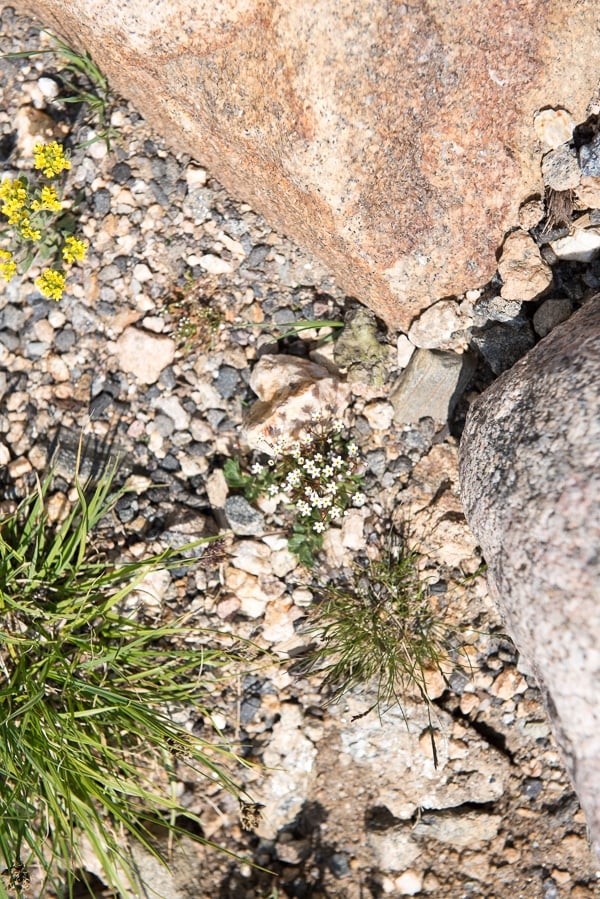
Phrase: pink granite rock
(395, 141)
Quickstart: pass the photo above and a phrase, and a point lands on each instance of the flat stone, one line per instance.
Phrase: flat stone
(438, 327)
(553, 127)
(143, 354)
(291, 758)
(379, 414)
(295, 109)
(252, 556)
(580, 246)
(393, 850)
(522, 269)
(430, 386)
(292, 392)
(243, 518)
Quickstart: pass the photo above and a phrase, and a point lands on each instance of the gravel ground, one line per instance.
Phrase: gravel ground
(352, 808)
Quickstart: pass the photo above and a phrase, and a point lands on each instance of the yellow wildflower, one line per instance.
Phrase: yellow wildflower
(8, 268)
(51, 283)
(14, 194)
(48, 200)
(26, 230)
(50, 158)
(74, 249)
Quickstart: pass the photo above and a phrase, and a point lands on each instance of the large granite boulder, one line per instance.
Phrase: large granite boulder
(530, 486)
(392, 140)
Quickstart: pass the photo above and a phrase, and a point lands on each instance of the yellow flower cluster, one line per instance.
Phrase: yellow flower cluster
(18, 206)
(50, 159)
(26, 229)
(48, 200)
(74, 249)
(14, 199)
(8, 267)
(51, 283)
(32, 213)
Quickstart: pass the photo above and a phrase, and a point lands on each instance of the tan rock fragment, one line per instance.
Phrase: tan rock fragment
(524, 272)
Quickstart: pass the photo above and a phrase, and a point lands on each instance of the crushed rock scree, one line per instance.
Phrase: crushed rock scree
(353, 807)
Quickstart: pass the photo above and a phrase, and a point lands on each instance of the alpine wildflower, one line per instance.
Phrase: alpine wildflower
(14, 197)
(51, 283)
(8, 268)
(48, 201)
(74, 249)
(27, 230)
(50, 159)
(316, 475)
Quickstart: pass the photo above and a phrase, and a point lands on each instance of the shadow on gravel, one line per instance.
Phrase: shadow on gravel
(299, 862)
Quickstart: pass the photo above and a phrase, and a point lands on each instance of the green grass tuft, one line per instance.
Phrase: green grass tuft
(380, 627)
(87, 747)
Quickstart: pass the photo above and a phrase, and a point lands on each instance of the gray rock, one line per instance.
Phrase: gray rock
(530, 484)
(13, 318)
(589, 157)
(560, 168)
(198, 203)
(495, 309)
(243, 518)
(550, 314)
(431, 385)
(227, 381)
(502, 344)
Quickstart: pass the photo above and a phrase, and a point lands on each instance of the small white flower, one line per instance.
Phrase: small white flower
(303, 508)
(352, 450)
(257, 468)
(293, 479)
(319, 527)
(273, 490)
(338, 425)
(359, 499)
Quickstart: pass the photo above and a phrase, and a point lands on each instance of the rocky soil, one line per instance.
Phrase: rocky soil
(150, 352)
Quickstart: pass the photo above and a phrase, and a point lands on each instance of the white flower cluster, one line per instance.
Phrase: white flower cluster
(315, 473)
